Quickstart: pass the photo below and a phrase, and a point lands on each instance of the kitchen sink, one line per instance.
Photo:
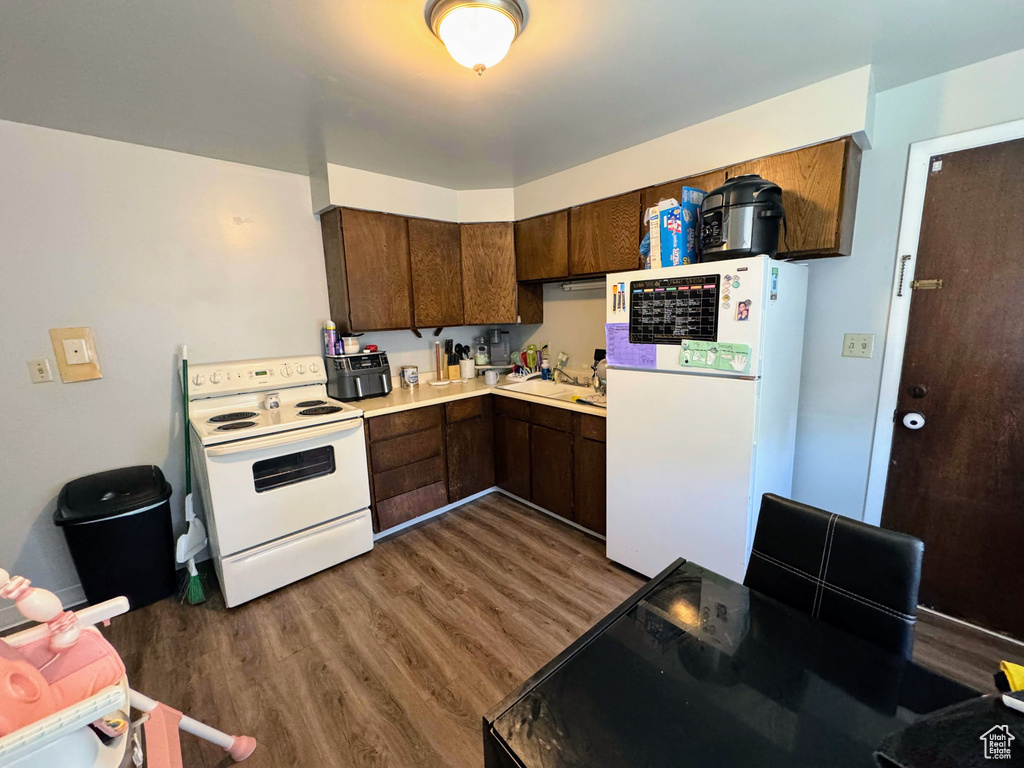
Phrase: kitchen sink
(550, 389)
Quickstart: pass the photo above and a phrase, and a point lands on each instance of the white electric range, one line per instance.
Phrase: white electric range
(280, 470)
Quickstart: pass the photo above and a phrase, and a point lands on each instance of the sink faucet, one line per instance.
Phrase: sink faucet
(567, 379)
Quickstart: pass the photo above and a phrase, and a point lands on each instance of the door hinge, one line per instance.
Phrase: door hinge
(931, 284)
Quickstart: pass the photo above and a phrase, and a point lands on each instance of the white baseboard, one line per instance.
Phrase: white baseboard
(435, 513)
(70, 597)
(955, 620)
(559, 518)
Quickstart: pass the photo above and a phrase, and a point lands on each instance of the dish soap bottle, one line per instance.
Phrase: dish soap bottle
(483, 355)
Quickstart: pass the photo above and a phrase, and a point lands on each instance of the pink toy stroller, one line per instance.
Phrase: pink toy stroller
(64, 695)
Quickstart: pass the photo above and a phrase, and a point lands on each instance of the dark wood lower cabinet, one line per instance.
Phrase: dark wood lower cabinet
(589, 490)
(425, 458)
(470, 446)
(512, 455)
(551, 469)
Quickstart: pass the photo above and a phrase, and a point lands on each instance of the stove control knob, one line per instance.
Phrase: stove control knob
(198, 379)
(286, 370)
(300, 368)
(215, 377)
(314, 367)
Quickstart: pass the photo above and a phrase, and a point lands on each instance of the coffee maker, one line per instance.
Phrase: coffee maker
(500, 347)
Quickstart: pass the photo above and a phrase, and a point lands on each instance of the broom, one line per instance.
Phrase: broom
(191, 542)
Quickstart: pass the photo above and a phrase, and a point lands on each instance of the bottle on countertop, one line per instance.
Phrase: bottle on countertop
(545, 370)
(330, 339)
(483, 354)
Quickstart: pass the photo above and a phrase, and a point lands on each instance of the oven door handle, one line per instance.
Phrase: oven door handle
(305, 433)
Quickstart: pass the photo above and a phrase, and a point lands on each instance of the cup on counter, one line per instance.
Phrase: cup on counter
(491, 377)
(467, 369)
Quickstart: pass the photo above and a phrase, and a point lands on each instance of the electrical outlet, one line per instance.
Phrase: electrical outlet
(39, 370)
(858, 344)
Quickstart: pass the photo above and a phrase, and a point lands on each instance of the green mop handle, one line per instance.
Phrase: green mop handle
(184, 405)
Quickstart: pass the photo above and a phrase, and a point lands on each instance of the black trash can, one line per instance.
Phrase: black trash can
(118, 528)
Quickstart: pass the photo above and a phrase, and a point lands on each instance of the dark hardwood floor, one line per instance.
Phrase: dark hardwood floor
(392, 658)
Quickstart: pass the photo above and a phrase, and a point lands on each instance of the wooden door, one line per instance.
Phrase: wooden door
(957, 483)
(551, 469)
(512, 455)
(489, 291)
(542, 247)
(377, 270)
(819, 194)
(590, 506)
(435, 255)
(470, 446)
(604, 236)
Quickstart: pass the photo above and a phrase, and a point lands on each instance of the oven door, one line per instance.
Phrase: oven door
(268, 487)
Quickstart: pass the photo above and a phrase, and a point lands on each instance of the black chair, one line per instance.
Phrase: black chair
(859, 578)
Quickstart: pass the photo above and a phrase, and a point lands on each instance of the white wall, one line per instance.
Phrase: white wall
(839, 396)
(149, 248)
(573, 323)
(839, 106)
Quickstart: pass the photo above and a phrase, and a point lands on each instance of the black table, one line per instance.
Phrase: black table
(697, 670)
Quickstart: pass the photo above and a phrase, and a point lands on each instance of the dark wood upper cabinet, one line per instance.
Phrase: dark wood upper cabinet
(590, 507)
(435, 255)
(470, 426)
(819, 194)
(674, 189)
(604, 236)
(490, 293)
(542, 247)
(368, 275)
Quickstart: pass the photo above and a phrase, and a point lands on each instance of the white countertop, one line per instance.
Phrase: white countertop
(427, 394)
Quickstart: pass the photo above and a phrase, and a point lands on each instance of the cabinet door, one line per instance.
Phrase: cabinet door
(590, 507)
(470, 447)
(542, 247)
(489, 290)
(819, 192)
(435, 254)
(512, 455)
(334, 265)
(551, 470)
(604, 236)
(377, 270)
(673, 189)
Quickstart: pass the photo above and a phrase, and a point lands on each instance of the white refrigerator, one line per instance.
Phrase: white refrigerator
(703, 382)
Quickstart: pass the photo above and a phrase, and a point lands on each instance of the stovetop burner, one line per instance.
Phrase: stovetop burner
(321, 410)
(235, 425)
(237, 416)
(310, 403)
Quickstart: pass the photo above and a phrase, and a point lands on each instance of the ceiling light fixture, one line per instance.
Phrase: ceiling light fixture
(477, 33)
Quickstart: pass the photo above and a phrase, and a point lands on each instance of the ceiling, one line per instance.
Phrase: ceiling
(289, 84)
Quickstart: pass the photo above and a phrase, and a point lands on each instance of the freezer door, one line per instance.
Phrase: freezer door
(680, 466)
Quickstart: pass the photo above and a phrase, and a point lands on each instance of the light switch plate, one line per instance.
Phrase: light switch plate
(39, 371)
(858, 344)
(81, 371)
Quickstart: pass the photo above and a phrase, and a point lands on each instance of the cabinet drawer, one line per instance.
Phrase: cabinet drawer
(404, 422)
(407, 478)
(592, 427)
(460, 410)
(550, 417)
(408, 449)
(517, 409)
(398, 509)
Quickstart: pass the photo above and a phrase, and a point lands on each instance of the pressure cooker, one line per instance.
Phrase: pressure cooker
(741, 218)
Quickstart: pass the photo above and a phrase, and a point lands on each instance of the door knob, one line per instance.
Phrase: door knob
(913, 420)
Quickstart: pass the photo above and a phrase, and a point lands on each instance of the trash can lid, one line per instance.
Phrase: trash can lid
(108, 494)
